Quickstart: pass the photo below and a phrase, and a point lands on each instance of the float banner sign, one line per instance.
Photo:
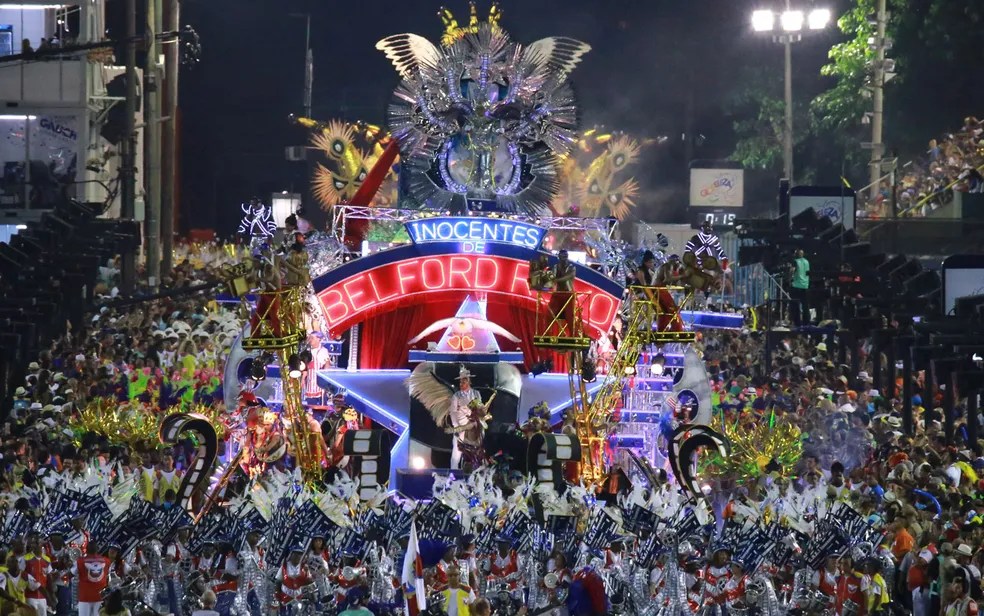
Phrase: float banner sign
(474, 233)
(717, 188)
(415, 274)
(836, 203)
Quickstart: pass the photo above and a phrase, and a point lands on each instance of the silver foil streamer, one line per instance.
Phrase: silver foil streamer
(672, 597)
(381, 569)
(252, 578)
(771, 607)
(531, 574)
(153, 559)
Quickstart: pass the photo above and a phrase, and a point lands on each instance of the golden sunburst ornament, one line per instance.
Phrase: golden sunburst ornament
(454, 31)
(345, 164)
(622, 152)
(589, 178)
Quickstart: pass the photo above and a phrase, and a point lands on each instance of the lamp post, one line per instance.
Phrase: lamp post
(308, 63)
(787, 27)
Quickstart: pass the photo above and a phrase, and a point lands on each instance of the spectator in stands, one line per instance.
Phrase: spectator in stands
(800, 289)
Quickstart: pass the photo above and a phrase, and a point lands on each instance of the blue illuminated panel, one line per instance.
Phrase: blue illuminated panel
(474, 233)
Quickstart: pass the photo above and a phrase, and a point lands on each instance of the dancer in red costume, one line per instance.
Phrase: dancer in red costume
(293, 577)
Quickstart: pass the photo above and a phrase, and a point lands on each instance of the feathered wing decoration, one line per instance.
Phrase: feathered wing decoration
(508, 378)
(432, 393)
(695, 380)
(410, 53)
(557, 54)
(440, 111)
(436, 326)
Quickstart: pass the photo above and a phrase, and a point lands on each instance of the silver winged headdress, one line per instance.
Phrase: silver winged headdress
(483, 117)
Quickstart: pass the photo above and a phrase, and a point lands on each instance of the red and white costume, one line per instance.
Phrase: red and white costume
(716, 587)
(217, 568)
(826, 582)
(62, 570)
(180, 560)
(850, 595)
(613, 560)
(37, 568)
(92, 573)
(292, 579)
(441, 575)
(319, 360)
(735, 590)
(343, 584)
(505, 568)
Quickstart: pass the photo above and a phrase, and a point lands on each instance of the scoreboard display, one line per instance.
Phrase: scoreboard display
(717, 193)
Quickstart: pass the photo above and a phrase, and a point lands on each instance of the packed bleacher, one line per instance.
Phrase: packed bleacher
(952, 163)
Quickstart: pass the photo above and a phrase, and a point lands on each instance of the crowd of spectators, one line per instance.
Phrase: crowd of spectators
(129, 352)
(923, 493)
(954, 162)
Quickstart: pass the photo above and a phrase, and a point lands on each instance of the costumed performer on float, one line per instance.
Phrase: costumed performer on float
(667, 274)
(459, 412)
(705, 260)
(469, 420)
(541, 274)
(562, 300)
(320, 359)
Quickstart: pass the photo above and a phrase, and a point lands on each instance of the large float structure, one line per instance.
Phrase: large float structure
(481, 127)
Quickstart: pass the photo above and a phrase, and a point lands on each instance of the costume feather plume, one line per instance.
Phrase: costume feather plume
(432, 393)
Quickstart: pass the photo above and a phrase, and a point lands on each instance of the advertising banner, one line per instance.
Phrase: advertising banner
(722, 188)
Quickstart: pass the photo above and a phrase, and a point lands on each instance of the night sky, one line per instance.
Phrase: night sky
(648, 58)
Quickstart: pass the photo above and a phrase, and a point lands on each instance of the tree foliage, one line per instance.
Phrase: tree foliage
(758, 109)
(933, 42)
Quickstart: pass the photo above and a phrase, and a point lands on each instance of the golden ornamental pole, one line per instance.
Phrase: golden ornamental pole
(278, 326)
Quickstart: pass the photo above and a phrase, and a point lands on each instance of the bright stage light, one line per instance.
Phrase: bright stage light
(629, 370)
(659, 362)
(763, 21)
(418, 463)
(792, 21)
(818, 19)
(294, 366)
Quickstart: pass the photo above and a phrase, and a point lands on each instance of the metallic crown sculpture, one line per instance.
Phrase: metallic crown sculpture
(482, 117)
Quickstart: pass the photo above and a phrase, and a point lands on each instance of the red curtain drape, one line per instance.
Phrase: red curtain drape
(522, 323)
(383, 339)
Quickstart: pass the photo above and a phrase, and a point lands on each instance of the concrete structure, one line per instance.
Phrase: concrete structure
(62, 117)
